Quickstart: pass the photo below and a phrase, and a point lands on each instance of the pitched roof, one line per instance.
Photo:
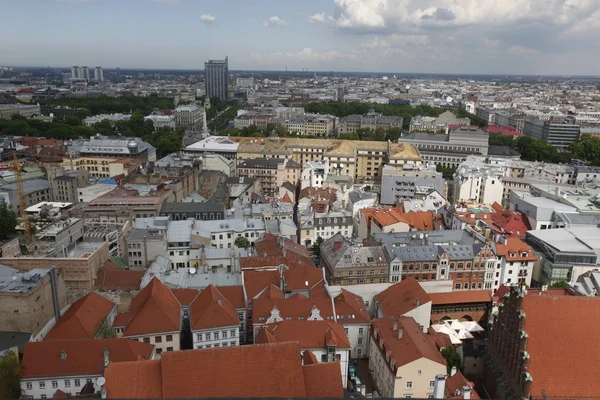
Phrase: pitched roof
(462, 297)
(256, 371)
(82, 319)
(350, 308)
(413, 345)
(422, 220)
(402, 297)
(185, 297)
(294, 307)
(134, 380)
(83, 356)
(570, 372)
(111, 277)
(318, 379)
(212, 310)
(454, 385)
(516, 247)
(154, 310)
(235, 295)
(305, 279)
(310, 334)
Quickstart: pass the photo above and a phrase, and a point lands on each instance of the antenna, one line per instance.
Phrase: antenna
(192, 270)
(101, 381)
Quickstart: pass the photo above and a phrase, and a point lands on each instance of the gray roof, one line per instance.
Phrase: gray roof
(347, 255)
(394, 187)
(159, 223)
(209, 206)
(119, 145)
(148, 234)
(180, 231)
(34, 185)
(11, 280)
(262, 163)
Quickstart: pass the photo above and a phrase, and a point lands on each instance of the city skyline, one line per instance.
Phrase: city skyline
(436, 36)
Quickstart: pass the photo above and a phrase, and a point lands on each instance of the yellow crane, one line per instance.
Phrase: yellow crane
(21, 193)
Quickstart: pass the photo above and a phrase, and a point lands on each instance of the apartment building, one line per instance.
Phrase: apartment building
(65, 188)
(352, 313)
(347, 263)
(102, 167)
(325, 225)
(144, 246)
(559, 134)
(35, 191)
(162, 121)
(308, 124)
(272, 172)
(214, 321)
(409, 182)
(189, 116)
(112, 146)
(516, 263)
(370, 120)
(402, 359)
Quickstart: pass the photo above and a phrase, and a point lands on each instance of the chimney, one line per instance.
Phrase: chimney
(439, 387)
(399, 333)
(63, 355)
(106, 357)
(219, 301)
(466, 392)
(453, 371)
(395, 326)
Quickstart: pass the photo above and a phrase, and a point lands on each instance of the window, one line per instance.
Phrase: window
(360, 331)
(208, 336)
(146, 340)
(42, 385)
(431, 384)
(28, 385)
(67, 383)
(409, 385)
(419, 372)
(233, 333)
(224, 334)
(457, 286)
(158, 339)
(77, 383)
(158, 351)
(88, 380)
(169, 338)
(216, 334)
(171, 349)
(360, 341)
(359, 352)
(43, 396)
(54, 384)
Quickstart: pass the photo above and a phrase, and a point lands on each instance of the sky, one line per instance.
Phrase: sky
(539, 37)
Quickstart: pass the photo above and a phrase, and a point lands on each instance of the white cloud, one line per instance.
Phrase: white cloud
(317, 18)
(304, 55)
(208, 19)
(274, 22)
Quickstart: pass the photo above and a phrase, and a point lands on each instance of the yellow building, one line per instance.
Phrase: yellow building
(102, 167)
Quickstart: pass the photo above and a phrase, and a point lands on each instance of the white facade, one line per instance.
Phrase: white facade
(161, 121)
(314, 174)
(484, 189)
(45, 388)
(341, 355)
(227, 336)
(358, 336)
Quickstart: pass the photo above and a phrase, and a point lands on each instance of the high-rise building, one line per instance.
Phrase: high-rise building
(99, 74)
(84, 73)
(75, 72)
(217, 78)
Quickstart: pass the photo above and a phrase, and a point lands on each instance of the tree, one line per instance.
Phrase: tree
(559, 285)
(8, 220)
(316, 247)
(9, 376)
(104, 330)
(452, 358)
(242, 242)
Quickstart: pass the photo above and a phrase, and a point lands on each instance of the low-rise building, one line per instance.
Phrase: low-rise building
(65, 188)
(516, 263)
(404, 361)
(189, 116)
(437, 124)
(410, 182)
(272, 172)
(161, 121)
(371, 120)
(74, 366)
(144, 246)
(209, 210)
(308, 124)
(112, 146)
(352, 313)
(214, 321)
(407, 299)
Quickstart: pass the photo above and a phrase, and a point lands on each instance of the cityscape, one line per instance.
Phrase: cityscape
(369, 222)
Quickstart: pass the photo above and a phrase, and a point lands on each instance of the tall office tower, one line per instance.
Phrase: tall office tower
(99, 74)
(217, 78)
(85, 73)
(75, 72)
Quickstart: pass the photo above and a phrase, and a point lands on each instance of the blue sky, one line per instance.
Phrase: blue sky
(453, 36)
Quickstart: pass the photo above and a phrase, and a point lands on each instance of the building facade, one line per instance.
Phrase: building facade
(217, 78)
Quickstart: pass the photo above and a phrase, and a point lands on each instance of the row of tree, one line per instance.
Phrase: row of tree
(111, 105)
(222, 120)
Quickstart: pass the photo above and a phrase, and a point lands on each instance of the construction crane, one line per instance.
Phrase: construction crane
(21, 193)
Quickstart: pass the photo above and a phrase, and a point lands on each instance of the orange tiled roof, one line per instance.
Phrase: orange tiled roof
(562, 345)
(185, 297)
(83, 356)
(212, 310)
(305, 279)
(461, 297)
(154, 310)
(455, 383)
(318, 379)
(402, 297)
(111, 277)
(235, 295)
(517, 247)
(310, 334)
(422, 220)
(293, 307)
(351, 307)
(82, 319)
(134, 380)
(413, 345)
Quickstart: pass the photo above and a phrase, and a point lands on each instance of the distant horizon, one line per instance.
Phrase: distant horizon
(324, 71)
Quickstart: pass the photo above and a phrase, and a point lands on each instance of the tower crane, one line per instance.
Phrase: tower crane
(21, 193)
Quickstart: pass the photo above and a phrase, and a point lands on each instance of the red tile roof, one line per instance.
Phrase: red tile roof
(422, 220)
(511, 223)
(111, 277)
(306, 279)
(235, 295)
(503, 130)
(516, 247)
(461, 297)
(257, 371)
(402, 297)
(212, 310)
(454, 385)
(310, 334)
(293, 307)
(154, 310)
(562, 345)
(82, 319)
(83, 356)
(185, 297)
(134, 380)
(350, 308)
(413, 345)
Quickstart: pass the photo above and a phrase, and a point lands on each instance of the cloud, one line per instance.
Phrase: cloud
(274, 22)
(317, 18)
(208, 19)
(304, 55)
